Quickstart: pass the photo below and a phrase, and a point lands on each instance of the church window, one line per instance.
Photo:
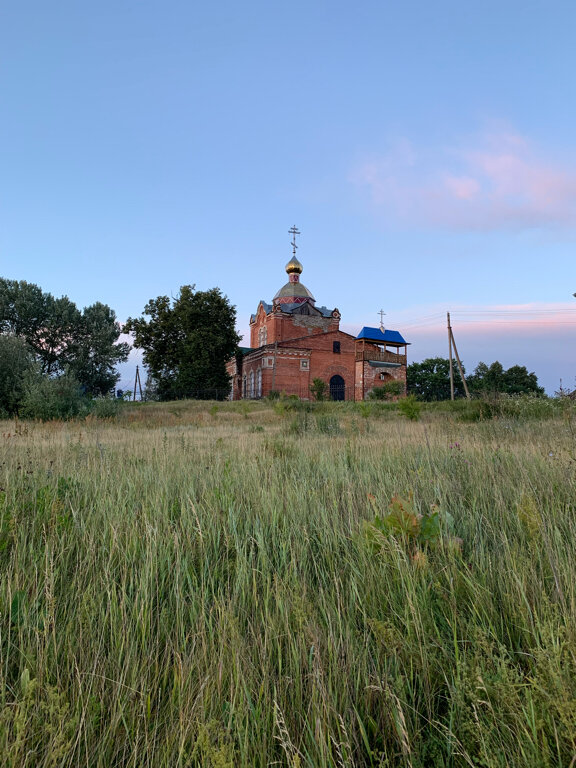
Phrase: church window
(259, 384)
(336, 347)
(244, 393)
(303, 365)
(251, 383)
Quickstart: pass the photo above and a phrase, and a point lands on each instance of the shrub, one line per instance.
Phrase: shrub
(387, 391)
(59, 398)
(319, 389)
(410, 407)
(106, 407)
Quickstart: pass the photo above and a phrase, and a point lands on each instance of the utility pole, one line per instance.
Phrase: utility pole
(452, 343)
(137, 384)
(450, 357)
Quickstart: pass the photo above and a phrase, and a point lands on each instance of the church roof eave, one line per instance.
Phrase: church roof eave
(381, 337)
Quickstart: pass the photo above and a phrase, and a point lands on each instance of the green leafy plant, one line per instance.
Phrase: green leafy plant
(106, 407)
(387, 391)
(410, 407)
(403, 522)
(319, 389)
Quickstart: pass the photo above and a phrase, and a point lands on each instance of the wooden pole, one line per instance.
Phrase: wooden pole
(460, 366)
(137, 384)
(450, 357)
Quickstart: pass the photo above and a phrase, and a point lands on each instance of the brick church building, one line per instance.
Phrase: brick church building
(293, 342)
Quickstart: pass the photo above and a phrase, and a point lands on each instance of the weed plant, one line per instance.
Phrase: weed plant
(180, 589)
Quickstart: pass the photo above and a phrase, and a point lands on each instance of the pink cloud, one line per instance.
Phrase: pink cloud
(462, 187)
(500, 181)
(537, 335)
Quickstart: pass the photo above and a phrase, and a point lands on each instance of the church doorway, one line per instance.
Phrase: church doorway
(337, 388)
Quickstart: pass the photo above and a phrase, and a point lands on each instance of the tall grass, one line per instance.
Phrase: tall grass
(186, 586)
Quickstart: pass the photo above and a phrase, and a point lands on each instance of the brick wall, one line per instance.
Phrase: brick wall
(369, 377)
(291, 365)
(281, 327)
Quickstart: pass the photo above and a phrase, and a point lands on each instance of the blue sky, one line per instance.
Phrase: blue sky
(425, 150)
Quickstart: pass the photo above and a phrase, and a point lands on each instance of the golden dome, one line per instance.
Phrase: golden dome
(294, 266)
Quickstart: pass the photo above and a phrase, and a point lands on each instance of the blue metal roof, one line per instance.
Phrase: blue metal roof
(386, 337)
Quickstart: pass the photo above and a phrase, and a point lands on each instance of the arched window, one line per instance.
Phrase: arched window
(244, 393)
(337, 388)
(251, 383)
(259, 384)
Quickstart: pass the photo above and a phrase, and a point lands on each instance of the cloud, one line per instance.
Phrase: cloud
(497, 181)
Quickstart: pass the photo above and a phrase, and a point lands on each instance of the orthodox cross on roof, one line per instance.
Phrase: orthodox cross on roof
(382, 313)
(294, 231)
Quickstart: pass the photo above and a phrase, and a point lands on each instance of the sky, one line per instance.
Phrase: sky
(426, 150)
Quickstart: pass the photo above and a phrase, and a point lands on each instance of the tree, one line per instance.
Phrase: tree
(62, 338)
(96, 351)
(187, 342)
(430, 379)
(16, 364)
(494, 379)
(45, 323)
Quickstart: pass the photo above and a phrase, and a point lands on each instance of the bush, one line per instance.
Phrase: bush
(60, 398)
(410, 407)
(106, 407)
(508, 407)
(319, 389)
(387, 391)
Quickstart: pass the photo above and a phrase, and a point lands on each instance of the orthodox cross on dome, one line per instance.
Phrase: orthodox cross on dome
(382, 313)
(294, 231)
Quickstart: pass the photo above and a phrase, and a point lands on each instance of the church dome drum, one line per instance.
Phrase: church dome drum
(293, 292)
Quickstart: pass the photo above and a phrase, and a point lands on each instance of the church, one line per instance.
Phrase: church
(293, 342)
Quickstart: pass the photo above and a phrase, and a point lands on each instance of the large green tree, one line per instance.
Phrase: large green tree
(493, 379)
(430, 379)
(62, 338)
(187, 342)
(16, 366)
(96, 350)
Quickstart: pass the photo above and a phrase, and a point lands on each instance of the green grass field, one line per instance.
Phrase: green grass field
(193, 584)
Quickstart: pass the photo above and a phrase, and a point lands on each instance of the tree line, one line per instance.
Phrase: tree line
(430, 380)
(51, 351)
(55, 359)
